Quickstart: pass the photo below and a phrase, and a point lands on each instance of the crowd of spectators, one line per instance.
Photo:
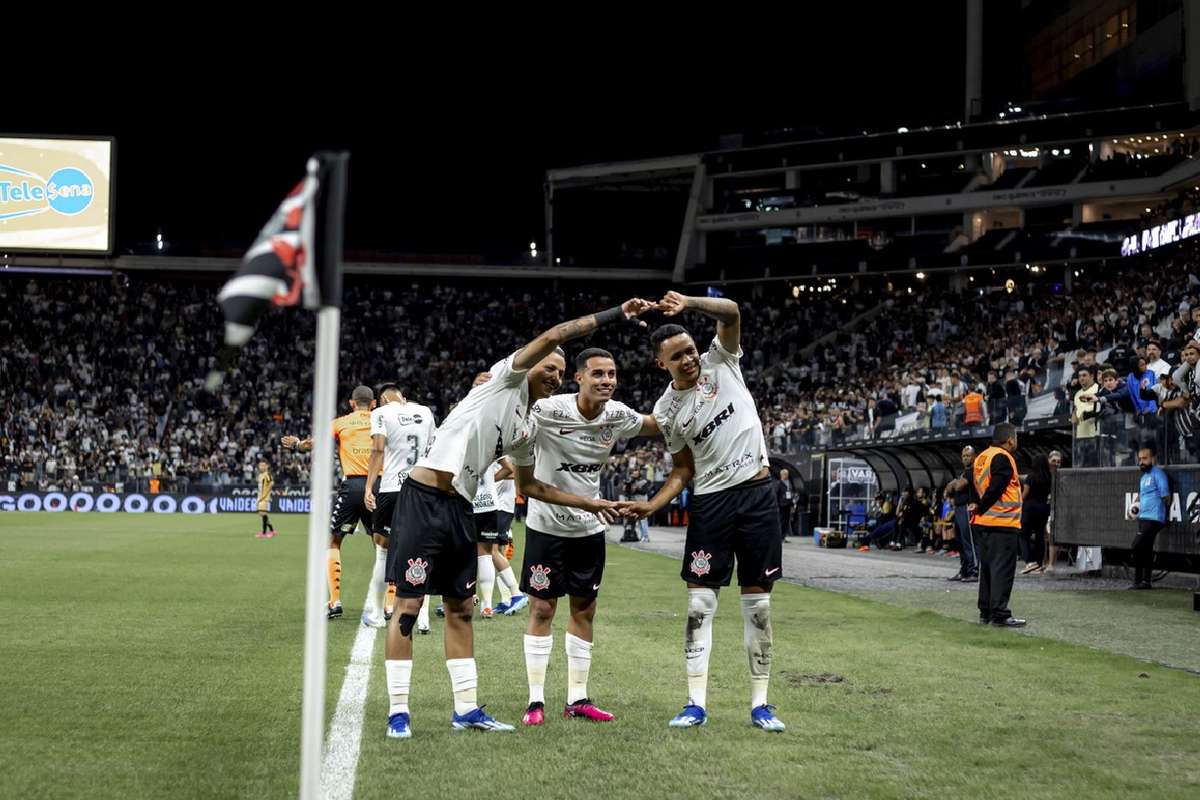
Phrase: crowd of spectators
(929, 358)
(104, 380)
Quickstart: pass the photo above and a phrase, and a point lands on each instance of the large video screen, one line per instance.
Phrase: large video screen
(56, 195)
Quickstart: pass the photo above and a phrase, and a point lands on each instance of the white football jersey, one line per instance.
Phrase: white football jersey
(506, 494)
(485, 493)
(408, 428)
(491, 421)
(718, 420)
(570, 452)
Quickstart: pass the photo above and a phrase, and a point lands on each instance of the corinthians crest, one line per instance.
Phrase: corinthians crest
(538, 577)
(701, 562)
(417, 571)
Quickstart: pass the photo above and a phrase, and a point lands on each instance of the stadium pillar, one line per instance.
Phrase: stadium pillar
(1191, 53)
(973, 105)
(887, 177)
(689, 237)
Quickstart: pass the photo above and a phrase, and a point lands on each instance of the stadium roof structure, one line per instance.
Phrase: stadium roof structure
(1049, 188)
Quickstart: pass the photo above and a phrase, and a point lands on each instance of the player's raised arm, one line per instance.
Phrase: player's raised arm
(683, 468)
(546, 343)
(530, 486)
(723, 310)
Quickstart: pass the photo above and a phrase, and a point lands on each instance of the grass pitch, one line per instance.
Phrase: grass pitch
(159, 656)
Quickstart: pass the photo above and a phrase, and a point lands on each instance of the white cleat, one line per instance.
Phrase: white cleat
(373, 622)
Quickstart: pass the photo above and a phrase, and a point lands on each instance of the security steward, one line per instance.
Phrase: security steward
(996, 524)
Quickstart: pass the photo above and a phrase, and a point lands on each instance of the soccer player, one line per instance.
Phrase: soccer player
(433, 532)
(491, 524)
(353, 435)
(511, 599)
(712, 429)
(400, 432)
(265, 484)
(564, 547)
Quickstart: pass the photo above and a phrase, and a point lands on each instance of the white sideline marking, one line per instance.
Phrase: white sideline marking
(340, 764)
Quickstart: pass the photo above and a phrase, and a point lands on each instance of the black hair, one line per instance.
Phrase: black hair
(664, 332)
(592, 352)
(389, 387)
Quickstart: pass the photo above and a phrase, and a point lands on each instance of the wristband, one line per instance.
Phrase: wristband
(609, 315)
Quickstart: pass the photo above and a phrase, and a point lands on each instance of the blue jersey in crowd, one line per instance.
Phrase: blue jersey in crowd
(1153, 495)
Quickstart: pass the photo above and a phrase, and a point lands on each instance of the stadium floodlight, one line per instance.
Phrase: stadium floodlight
(922, 165)
(1017, 109)
(557, 260)
(920, 276)
(532, 246)
(902, 130)
(795, 291)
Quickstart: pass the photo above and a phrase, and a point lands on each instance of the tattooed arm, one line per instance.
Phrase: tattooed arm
(545, 344)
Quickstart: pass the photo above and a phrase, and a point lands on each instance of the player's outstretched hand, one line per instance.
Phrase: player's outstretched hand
(636, 509)
(290, 442)
(671, 304)
(369, 499)
(635, 307)
(606, 510)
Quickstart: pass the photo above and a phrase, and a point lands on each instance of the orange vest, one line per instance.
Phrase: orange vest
(1006, 512)
(973, 408)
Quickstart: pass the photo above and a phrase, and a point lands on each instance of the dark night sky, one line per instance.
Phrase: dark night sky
(449, 152)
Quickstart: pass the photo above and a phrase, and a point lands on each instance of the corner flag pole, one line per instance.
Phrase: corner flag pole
(312, 732)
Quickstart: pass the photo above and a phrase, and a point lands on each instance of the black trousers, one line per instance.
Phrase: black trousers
(1033, 531)
(997, 551)
(785, 520)
(1143, 549)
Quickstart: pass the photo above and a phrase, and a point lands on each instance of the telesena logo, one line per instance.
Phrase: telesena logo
(67, 192)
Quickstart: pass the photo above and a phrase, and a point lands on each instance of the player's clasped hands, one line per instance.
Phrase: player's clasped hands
(671, 304)
(637, 509)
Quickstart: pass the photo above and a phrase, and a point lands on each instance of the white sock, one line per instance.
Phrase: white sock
(579, 664)
(463, 680)
(509, 581)
(399, 680)
(697, 646)
(378, 584)
(537, 658)
(486, 572)
(756, 619)
(423, 614)
(505, 594)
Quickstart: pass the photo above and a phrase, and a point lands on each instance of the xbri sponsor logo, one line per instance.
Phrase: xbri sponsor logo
(713, 424)
(583, 469)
